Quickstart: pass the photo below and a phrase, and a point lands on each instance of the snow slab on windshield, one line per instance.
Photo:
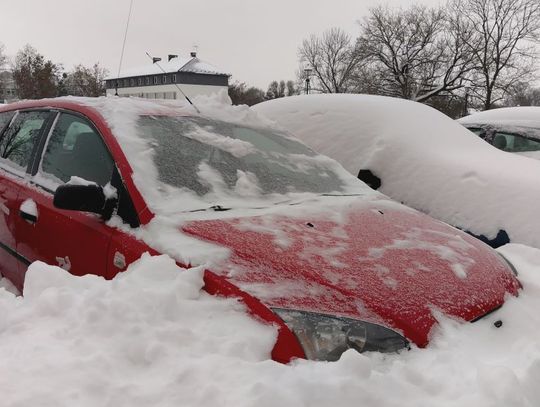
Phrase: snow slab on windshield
(423, 158)
(151, 337)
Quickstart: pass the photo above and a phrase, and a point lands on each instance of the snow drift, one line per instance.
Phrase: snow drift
(151, 337)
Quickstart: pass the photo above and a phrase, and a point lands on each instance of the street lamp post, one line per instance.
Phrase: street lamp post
(307, 74)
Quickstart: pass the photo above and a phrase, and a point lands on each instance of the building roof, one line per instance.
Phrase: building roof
(178, 64)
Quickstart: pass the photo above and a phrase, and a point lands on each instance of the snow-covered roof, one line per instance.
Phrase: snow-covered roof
(521, 120)
(424, 159)
(178, 64)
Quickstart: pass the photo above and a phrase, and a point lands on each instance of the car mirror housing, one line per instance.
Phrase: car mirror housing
(85, 198)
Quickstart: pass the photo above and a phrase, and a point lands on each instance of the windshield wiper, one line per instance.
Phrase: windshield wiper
(342, 194)
(217, 208)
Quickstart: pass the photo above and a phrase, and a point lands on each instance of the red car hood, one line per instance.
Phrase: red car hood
(379, 262)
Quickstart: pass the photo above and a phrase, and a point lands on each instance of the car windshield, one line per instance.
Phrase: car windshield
(205, 155)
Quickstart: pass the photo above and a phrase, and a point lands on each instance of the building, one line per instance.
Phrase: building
(8, 90)
(162, 79)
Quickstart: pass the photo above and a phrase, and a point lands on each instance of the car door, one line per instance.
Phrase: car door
(19, 135)
(75, 241)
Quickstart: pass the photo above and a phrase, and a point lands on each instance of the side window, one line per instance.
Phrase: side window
(5, 118)
(76, 149)
(525, 144)
(19, 138)
(514, 143)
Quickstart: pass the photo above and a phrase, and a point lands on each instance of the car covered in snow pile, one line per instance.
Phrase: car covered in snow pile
(91, 184)
(511, 129)
(418, 156)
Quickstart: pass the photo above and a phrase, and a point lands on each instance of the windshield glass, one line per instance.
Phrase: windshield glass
(210, 156)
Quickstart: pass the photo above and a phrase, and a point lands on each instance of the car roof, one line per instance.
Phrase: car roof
(99, 104)
(524, 120)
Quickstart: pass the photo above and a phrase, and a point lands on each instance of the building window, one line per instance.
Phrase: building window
(132, 82)
(164, 78)
(155, 80)
(174, 78)
(126, 83)
(148, 80)
(139, 81)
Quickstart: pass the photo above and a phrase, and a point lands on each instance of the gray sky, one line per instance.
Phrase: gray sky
(254, 40)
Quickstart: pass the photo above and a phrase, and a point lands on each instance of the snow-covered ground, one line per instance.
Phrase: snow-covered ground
(151, 337)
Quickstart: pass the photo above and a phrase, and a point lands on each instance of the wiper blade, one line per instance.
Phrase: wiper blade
(217, 208)
(342, 194)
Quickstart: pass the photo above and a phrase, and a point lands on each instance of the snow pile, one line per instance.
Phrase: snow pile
(151, 337)
(144, 338)
(423, 158)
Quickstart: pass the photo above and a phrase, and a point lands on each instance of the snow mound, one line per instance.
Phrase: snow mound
(140, 339)
(150, 337)
(424, 159)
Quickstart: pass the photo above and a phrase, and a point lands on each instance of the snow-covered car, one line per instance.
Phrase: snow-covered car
(91, 184)
(511, 129)
(420, 157)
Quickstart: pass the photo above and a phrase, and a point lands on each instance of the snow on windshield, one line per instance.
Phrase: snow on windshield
(226, 156)
(151, 337)
(423, 158)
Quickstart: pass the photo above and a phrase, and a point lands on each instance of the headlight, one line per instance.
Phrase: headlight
(325, 337)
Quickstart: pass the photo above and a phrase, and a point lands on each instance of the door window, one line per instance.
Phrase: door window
(18, 140)
(76, 149)
(5, 118)
(514, 143)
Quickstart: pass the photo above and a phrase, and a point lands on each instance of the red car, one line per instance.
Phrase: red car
(91, 184)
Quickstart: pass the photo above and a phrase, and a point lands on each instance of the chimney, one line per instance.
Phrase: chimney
(156, 59)
(193, 54)
(171, 56)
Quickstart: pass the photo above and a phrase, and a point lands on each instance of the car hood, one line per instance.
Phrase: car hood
(376, 261)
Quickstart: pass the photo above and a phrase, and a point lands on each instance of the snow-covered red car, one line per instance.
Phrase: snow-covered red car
(419, 156)
(91, 184)
(511, 129)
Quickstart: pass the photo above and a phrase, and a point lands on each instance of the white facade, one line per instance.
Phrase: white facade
(168, 91)
(161, 80)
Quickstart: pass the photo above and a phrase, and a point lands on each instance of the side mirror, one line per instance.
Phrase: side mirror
(85, 198)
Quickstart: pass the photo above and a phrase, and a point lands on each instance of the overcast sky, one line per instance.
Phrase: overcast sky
(254, 40)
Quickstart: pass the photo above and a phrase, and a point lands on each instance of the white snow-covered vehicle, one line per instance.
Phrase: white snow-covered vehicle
(417, 155)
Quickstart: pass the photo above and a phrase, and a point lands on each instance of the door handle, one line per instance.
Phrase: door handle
(28, 211)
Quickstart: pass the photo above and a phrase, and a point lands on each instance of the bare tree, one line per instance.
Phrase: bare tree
(415, 53)
(241, 94)
(333, 59)
(3, 61)
(522, 94)
(34, 76)
(292, 89)
(85, 81)
(502, 38)
(3, 57)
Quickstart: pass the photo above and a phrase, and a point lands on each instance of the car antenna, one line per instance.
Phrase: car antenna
(156, 61)
(123, 48)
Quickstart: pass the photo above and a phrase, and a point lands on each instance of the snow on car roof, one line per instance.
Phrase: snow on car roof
(521, 120)
(424, 158)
